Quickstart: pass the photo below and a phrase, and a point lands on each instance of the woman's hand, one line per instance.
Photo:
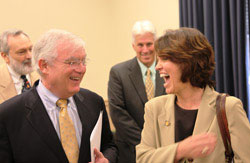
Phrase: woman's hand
(196, 146)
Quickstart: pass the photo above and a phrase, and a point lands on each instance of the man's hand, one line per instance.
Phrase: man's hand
(99, 158)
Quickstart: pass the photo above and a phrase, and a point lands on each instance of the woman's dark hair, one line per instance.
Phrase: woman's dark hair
(190, 49)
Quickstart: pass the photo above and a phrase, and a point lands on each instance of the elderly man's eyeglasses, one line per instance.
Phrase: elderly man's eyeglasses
(76, 63)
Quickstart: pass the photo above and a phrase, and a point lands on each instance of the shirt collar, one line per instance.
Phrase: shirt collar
(144, 68)
(50, 98)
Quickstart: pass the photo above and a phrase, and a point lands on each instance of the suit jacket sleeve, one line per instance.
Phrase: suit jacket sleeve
(122, 120)
(239, 129)
(149, 150)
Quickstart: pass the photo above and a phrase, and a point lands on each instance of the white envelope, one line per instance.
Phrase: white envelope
(95, 137)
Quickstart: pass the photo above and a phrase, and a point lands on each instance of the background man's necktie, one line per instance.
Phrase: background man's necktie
(26, 84)
(149, 85)
(67, 132)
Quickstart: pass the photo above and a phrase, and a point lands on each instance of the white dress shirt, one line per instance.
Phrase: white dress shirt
(49, 100)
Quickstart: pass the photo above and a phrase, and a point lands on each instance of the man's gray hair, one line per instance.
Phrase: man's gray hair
(46, 47)
(142, 27)
(4, 47)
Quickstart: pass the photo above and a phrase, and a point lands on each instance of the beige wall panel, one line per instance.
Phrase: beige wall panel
(105, 26)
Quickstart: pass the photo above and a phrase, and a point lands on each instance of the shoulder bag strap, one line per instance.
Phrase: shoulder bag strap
(223, 125)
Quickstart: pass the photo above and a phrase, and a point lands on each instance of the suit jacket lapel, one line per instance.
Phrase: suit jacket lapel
(136, 79)
(206, 113)
(40, 121)
(166, 122)
(8, 87)
(82, 109)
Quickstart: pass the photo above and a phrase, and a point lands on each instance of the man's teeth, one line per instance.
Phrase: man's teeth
(75, 78)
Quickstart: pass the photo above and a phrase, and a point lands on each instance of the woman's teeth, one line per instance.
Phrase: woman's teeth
(164, 75)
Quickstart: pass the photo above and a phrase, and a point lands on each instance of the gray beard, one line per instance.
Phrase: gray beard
(21, 68)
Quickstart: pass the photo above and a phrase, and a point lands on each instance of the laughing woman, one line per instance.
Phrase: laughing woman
(182, 126)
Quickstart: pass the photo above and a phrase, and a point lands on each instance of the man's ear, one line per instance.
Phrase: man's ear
(5, 57)
(43, 66)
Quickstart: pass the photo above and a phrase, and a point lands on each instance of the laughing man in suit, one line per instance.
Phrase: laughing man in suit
(34, 126)
(16, 51)
(127, 92)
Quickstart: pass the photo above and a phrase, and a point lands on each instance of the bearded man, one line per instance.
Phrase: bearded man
(16, 73)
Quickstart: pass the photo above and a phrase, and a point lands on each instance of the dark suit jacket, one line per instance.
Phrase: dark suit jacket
(27, 133)
(127, 96)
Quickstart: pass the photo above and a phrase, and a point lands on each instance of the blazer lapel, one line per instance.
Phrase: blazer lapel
(136, 78)
(206, 113)
(166, 123)
(7, 86)
(84, 153)
(40, 121)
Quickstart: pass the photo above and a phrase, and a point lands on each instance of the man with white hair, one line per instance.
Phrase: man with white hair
(131, 84)
(52, 122)
(17, 74)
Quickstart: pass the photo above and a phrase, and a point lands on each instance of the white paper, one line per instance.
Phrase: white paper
(95, 137)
